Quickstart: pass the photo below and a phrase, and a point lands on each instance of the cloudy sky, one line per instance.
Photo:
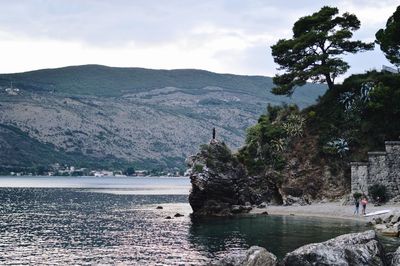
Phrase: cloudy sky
(227, 36)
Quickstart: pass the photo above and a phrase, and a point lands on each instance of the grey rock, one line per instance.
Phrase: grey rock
(387, 218)
(262, 205)
(395, 218)
(255, 256)
(391, 231)
(380, 227)
(396, 257)
(291, 200)
(350, 249)
(377, 220)
(220, 186)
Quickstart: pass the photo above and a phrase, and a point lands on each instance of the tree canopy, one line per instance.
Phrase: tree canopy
(315, 49)
(389, 38)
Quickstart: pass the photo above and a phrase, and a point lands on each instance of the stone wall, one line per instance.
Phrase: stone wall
(381, 168)
(359, 175)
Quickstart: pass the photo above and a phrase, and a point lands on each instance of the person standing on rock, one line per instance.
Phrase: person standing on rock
(364, 203)
(357, 203)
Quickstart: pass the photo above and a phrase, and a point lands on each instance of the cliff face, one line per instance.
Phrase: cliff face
(221, 185)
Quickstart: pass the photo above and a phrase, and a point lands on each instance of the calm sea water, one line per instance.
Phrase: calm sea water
(88, 220)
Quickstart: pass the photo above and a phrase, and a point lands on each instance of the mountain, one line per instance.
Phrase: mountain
(95, 115)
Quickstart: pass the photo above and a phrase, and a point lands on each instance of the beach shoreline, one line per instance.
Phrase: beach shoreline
(329, 210)
(332, 210)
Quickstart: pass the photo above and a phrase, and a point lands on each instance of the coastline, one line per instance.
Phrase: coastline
(331, 210)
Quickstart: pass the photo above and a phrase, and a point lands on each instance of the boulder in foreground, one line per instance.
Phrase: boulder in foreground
(350, 249)
(255, 256)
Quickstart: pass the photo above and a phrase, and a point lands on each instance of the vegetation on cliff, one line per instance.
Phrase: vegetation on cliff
(350, 119)
(304, 155)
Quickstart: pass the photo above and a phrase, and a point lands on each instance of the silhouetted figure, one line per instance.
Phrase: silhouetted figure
(213, 133)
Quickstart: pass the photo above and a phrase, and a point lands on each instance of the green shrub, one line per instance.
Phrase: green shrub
(357, 195)
(378, 192)
(198, 168)
(312, 114)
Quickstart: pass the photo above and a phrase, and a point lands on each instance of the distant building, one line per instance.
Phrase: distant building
(141, 172)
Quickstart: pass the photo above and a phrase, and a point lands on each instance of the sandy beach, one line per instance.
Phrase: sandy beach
(327, 210)
(332, 210)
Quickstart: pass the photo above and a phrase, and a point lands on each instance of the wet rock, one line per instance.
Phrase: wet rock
(350, 249)
(236, 209)
(168, 217)
(159, 207)
(178, 215)
(255, 256)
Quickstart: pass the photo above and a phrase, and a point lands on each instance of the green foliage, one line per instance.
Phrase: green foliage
(217, 156)
(198, 168)
(357, 195)
(129, 171)
(268, 139)
(312, 114)
(389, 38)
(315, 49)
(106, 81)
(378, 192)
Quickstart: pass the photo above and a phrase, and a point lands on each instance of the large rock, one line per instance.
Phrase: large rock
(396, 257)
(350, 249)
(255, 256)
(219, 182)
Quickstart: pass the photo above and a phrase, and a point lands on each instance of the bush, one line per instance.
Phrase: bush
(378, 192)
(357, 195)
(198, 168)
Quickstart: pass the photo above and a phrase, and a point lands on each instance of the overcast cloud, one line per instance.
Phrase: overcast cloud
(231, 36)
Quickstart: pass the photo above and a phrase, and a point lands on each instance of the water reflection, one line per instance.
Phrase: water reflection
(77, 226)
(279, 234)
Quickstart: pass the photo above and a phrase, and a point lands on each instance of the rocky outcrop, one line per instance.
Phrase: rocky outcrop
(357, 249)
(255, 256)
(387, 225)
(395, 260)
(220, 185)
(350, 249)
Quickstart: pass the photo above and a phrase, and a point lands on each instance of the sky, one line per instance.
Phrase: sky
(224, 36)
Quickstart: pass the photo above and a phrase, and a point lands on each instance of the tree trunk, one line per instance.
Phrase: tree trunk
(329, 81)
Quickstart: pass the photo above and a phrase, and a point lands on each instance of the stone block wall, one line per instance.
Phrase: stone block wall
(359, 176)
(393, 161)
(381, 168)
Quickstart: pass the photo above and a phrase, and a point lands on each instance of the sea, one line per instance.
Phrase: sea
(115, 221)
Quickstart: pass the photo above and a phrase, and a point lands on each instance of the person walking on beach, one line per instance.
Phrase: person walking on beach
(357, 203)
(364, 202)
